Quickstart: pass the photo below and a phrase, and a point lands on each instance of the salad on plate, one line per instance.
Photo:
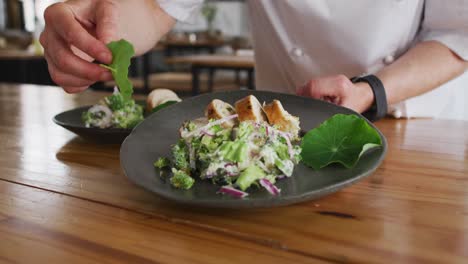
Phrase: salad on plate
(239, 148)
(120, 110)
(114, 111)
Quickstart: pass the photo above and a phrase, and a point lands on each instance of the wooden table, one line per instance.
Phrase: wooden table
(216, 62)
(65, 200)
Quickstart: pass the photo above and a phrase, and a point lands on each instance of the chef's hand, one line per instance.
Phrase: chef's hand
(75, 34)
(338, 89)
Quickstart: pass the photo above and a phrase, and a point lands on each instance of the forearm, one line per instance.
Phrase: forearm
(423, 68)
(143, 23)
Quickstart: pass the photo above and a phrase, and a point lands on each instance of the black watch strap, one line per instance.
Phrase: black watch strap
(379, 107)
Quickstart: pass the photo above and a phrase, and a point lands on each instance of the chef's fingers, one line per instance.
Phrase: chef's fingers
(62, 57)
(333, 87)
(69, 83)
(61, 19)
(73, 90)
(106, 21)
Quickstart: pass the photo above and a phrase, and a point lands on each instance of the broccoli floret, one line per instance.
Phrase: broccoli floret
(181, 156)
(87, 118)
(116, 102)
(191, 126)
(128, 117)
(181, 180)
(162, 163)
(249, 176)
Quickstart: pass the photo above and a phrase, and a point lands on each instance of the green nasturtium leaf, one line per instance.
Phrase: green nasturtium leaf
(122, 52)
(164, 105)
(340, 139)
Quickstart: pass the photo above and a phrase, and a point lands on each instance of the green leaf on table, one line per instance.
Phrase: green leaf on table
(340, 139)
(163, 105)
(122, 52)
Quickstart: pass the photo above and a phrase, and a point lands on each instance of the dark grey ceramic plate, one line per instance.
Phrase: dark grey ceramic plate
(154, 136)
(71, 120)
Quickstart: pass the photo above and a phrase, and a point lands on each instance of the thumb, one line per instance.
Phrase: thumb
(106, 21)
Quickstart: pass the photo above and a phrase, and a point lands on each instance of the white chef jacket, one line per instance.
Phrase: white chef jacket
(298, 40)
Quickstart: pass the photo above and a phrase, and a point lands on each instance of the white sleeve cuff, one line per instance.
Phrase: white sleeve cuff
(181, 10)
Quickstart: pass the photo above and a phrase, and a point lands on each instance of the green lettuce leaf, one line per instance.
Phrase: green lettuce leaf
(122, 52)
(164, 105)
(340, 139)
(236, 151)
(115, 101)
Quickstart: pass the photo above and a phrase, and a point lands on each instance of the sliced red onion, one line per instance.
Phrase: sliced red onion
(207, 126)
(232, 174)
(280, 177)
(267, 133)
(204, 132)
(233, 192)
(288, 141)
(270, 187)
(209, 176)
(229, 165)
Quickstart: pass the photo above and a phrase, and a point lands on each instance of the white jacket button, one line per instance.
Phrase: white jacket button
(297, 52)
(388, 59)
(397, 113)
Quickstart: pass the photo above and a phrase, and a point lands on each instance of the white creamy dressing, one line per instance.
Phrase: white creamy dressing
(106, 119)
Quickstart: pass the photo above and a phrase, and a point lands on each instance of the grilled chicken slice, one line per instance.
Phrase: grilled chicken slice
(249, 108)
(160, 96)
(278, 116)
(218, 109)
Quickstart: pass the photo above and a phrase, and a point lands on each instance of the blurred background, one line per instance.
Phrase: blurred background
(212, 52)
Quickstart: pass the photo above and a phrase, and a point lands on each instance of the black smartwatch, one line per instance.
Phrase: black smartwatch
(378, 109)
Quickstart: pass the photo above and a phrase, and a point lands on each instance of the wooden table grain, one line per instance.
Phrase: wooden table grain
(66, 200)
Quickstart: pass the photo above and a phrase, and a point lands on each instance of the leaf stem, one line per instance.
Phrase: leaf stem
(108, 67)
